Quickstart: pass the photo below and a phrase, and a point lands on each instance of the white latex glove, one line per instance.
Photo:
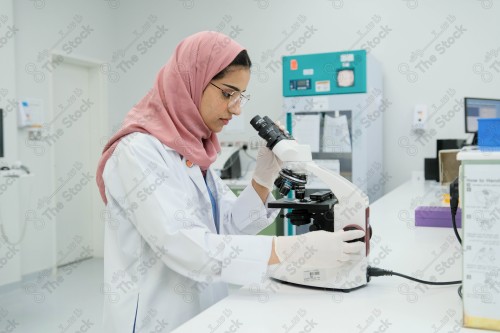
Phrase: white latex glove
(320, 248)
(267, 168)
(268, 165)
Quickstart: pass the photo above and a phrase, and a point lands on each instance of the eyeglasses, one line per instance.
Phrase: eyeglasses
(233, 97)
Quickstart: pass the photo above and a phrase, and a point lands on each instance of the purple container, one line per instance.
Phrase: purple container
(431, 216)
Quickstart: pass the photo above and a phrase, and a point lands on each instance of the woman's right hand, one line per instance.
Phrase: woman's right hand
(318, 248)
(268, 165)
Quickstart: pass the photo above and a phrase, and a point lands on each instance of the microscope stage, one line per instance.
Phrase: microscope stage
(309, 204)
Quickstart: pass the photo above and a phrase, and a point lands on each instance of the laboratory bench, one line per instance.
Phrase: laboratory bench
(385, 304)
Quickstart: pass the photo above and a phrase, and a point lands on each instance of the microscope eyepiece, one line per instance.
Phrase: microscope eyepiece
(268, 131)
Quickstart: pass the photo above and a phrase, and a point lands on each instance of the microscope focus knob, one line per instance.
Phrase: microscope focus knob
(355, 227)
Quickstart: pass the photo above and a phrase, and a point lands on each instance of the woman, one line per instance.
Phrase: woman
(178, 233)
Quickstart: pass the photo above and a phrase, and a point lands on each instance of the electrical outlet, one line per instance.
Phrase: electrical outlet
(419, 117)
(254, 143)
(35, 134)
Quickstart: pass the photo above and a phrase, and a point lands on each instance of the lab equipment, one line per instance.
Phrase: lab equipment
(228, 163)
(476, 108)
(325, 73)
(344, 90)
(480, 200)
(347, 209)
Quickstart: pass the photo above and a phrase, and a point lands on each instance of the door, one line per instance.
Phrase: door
(74, 173)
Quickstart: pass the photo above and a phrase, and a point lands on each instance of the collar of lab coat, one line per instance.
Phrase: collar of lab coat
(196, 176)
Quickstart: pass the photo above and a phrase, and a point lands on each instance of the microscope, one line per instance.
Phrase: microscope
(343, 206)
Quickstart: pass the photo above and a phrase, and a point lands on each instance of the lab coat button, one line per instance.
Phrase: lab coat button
(189, 164)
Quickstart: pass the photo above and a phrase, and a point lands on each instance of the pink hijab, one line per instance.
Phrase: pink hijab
(170, 111)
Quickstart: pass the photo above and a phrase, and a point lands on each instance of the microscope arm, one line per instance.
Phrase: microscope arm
(352, 209)
(353, 205)
(345, 191)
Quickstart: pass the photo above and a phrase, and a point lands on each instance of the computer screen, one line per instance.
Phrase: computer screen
(479, 108)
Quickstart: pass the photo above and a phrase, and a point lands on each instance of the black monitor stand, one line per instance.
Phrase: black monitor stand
(474, 140)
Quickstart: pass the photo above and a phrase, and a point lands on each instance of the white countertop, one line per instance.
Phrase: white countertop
(386, 304)
(475, 153)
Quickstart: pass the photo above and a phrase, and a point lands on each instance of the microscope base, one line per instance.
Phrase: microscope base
(346, 277)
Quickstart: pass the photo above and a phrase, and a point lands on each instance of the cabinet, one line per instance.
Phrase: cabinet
(334, 102)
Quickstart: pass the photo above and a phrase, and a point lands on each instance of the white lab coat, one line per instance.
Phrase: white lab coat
(163, 257)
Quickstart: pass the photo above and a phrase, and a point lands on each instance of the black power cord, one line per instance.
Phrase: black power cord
(454, 207)
(245, 148)
(375, 271)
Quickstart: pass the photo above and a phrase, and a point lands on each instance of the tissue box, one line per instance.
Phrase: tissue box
(433, 216)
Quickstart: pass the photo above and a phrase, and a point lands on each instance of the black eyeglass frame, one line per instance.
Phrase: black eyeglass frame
(243, 98)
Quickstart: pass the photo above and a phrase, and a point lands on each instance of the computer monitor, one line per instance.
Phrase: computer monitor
(479, 108)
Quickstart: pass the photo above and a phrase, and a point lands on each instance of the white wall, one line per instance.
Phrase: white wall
(264, 28)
